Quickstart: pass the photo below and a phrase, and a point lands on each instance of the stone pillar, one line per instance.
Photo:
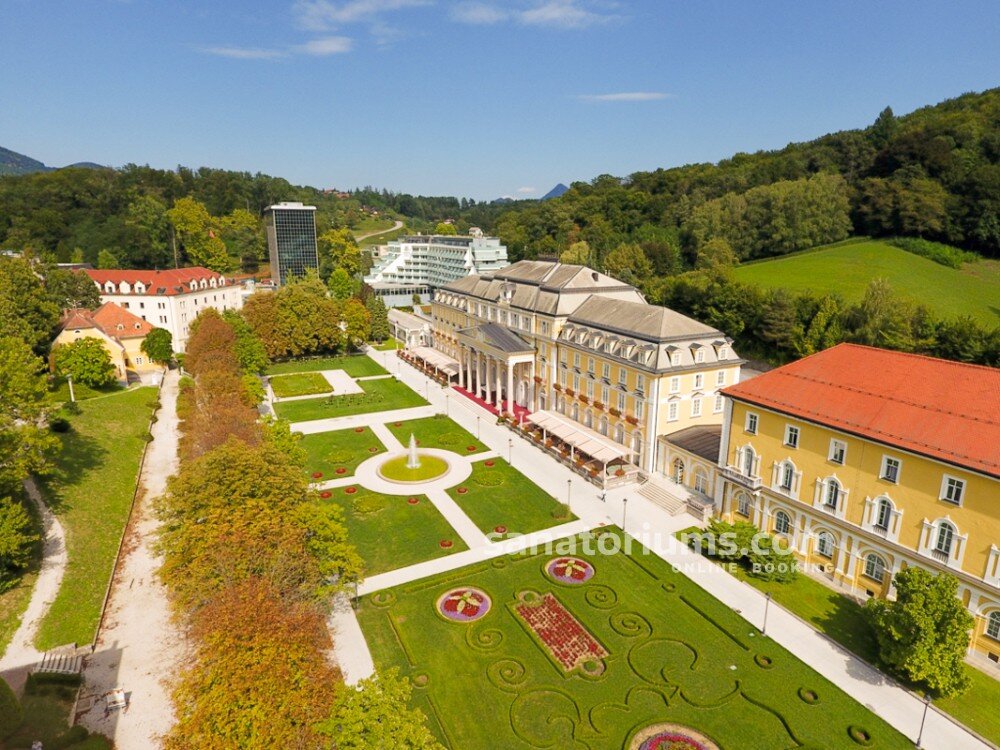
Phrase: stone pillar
(489, 393)
(461, 368)
(499, 376)
(533, 388)
(510, 387)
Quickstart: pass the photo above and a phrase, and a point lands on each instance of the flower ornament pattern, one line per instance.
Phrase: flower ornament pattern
(464, 604)
(570, 570)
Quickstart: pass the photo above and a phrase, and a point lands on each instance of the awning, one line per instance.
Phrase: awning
(436, 359)
(583, 439)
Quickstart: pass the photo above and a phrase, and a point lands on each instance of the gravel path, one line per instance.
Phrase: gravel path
(21, 654)
(138, 647)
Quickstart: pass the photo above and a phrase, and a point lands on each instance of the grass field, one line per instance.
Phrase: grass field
(379, 395)
(91, 492)
(326, 452)
(372, 224)
(355, 365)
(59, 391)
(673, 654)
(389, 532)
(389, 345)
(847, 268)
(436, 432)
(500, 495)
(300, 384)
(843, 620)
(381, 239)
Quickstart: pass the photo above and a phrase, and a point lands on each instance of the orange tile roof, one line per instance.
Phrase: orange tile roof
(171, 281)
(934, 407)
(107, 318)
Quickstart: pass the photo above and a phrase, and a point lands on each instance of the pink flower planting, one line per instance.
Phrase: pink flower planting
(500, 529)
(566, 639)
(464, 605)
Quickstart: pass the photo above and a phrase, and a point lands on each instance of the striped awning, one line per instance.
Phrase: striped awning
(583, 439)
(437, 359)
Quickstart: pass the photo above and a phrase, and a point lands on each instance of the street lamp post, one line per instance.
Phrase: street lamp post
(510, 450)
(446, 404)
(569, 491)
(767, 606)
(624, 511)
(477, 427)
(69, 382)
(923, 720)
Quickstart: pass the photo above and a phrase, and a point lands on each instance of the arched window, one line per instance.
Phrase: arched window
(588, 418)
(620, 434)
(993, 625)
(576, 413)
(748, 460)
(782, 522)
(945, 538)
(883, 513)
(787, 475)
(832, 493)
(743, 504)
(604, 426)
(874, 567)
(678, 473)
(824, 544)
(636, 447)
(701, 481)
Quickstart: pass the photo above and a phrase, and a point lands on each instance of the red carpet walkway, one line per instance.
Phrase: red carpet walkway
(519, 411)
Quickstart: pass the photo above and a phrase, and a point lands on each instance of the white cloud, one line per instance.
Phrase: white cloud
(565, 14)
(245, 53)
(327, 45)
(322, 15)
(526, 190)
(478, 14)
(626, 96)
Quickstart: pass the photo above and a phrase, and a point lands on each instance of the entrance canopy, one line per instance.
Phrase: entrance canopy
(436, 359)
(583, 439)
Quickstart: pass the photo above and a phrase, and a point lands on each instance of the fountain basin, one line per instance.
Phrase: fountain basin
(395, 469)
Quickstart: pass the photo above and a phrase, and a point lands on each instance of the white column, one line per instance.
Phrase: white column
(532, 387)
(461, 368)
(510, 387)
(489, 393)
(499, 381)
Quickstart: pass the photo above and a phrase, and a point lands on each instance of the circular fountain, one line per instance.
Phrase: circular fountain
(413, 466)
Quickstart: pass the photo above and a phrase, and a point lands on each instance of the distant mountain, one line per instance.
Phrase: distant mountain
(555, 192)
(12, 162)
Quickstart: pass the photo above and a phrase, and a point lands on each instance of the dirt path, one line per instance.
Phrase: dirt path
(366, 235)
(138, 648)
(21, 654)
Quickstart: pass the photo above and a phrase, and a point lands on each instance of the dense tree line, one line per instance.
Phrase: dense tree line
(779, 326)
(934, 173)
(252, 558)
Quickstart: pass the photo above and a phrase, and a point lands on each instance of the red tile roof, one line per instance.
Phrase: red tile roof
(171, 281)
(107, 318)
(945, 410)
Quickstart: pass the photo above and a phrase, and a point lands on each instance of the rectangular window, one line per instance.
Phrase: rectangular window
(791, 436)
(672, 412)
(606, 371)
(696, 407)
(675, 384)
(720, 377)
(890, 469)
(576, 383)
(576, 359)
(621, 402)
(590, 389)
(952, 490)
(640, 382)
(590, 365)
(699, 356)
(675, 359)
(699, 381)
(751, 423)
(638, 409)
(604, 396)
(719, 402)
(622, 375)
(838, 451)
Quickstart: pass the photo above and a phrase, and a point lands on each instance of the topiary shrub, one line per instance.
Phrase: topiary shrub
(860, 735)
(369, 504)
(808, 696)
(11, 712)
(489, 479)
(337, 456)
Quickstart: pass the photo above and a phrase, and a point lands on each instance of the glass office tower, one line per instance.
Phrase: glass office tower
(291, 240)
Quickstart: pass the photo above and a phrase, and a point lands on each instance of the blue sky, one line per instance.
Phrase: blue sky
(478, 98)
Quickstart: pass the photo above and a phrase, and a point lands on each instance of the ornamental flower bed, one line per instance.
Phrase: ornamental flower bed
(470, 448)
(565, 640)
(488, 464)
(671, 737)
(359, 429)
(317, 475)
(326, 494)
(445, 544)
(413, 500)
(464, 604)
(570, 570)
(341, 470)
(351, 490)
(500, 529)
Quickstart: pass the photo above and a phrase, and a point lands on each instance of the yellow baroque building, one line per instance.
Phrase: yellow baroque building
(869, 461)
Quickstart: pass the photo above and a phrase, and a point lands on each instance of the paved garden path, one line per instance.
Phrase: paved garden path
(655, 527)
(138, 648)
(363, 420)
(21, 654)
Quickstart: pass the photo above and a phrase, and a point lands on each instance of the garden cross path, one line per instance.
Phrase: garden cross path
(654, 527)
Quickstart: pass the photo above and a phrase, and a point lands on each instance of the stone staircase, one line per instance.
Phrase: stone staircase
(659, 495)
(62, 660)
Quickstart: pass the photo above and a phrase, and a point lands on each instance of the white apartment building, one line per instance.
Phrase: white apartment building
(168, 299)
(418, 264)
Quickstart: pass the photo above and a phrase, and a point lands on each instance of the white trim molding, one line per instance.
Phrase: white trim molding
(870, 518)
(928, 543)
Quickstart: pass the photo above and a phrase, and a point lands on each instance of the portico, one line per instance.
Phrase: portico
(497, 365)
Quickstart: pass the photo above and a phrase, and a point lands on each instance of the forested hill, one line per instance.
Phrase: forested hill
(933, 173)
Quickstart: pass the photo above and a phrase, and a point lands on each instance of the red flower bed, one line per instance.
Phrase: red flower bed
(397, 424)
(566, 639)
(470, 448)
(462, 490)
(413, 500)
(341, 470)
(464, 605)
(351, 490)
(317, 474)
(359, 429)
(373, 449)
(570, 570)
(445, 544)
(488, 463)
(500, 529)
(326, 494)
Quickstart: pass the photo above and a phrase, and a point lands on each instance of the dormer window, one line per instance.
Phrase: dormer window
(109, 288)
(124, 287)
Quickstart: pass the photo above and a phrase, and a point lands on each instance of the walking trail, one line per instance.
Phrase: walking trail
(21, 654)
(138, 648)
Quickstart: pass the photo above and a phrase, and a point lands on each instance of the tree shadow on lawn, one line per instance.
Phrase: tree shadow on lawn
(79, 455)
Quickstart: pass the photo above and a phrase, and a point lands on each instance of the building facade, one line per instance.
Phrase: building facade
(119, 331)
(291, 240)
(570, 341)
(168, 299)
(869, 461)
(418, 264)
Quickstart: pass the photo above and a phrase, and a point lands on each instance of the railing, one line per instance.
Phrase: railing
(735, 475)
(882, 531)
(941, 557)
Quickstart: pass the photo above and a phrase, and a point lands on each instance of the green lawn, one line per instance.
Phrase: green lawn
(381, 239)
(372, 224)
(59, 391)
(355, 365)
(300, 384)
(91, 491)
(847, 268)
(341, 449)
(46, 710)
(379, 395)
(674, 654)
(843, 620)
(428, 467)
(389, 532)
(389, 345)
(500, 495)
(436, 432)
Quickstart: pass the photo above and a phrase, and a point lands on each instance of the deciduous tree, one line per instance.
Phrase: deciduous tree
(158, 345)
(86, 361)
(25, 444)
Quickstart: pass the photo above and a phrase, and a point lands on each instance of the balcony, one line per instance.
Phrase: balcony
(735, 475)
(942, 557)
(882, 531)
